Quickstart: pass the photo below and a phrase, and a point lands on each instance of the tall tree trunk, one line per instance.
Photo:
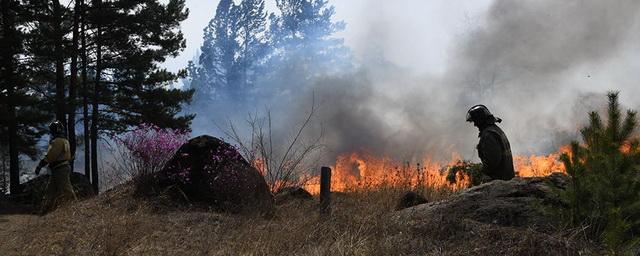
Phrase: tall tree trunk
(14, 162)
(8, 77)
(59, 59)
(85, 97)
(95, 111)
(71, 124)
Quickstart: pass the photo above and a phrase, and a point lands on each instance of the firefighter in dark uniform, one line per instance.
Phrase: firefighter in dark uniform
(59, 189)
(494, 149)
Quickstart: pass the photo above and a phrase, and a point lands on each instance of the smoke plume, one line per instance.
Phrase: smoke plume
(539, 65)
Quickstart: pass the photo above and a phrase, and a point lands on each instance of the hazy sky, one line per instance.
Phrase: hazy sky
(417, 34)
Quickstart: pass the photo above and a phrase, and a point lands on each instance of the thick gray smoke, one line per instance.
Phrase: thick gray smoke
(539, 65)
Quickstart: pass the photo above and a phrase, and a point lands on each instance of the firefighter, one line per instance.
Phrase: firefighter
(58, 157)
(493, 149)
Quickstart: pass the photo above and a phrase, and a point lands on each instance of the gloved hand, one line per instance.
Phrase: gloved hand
(40, 165)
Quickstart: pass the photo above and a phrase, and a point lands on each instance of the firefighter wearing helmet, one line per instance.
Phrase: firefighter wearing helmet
(493, 149)
(58, 159)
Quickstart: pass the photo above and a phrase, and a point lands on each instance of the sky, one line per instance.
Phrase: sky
(417, 34)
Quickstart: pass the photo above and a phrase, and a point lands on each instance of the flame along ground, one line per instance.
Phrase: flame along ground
(361, 171)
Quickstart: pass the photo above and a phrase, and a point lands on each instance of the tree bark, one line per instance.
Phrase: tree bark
(8, 77)
(85, 98)
(73, 80)
(59, 61)
(14, 161)
(95, 109)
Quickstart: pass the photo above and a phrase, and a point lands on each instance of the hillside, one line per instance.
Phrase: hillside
(116, 223)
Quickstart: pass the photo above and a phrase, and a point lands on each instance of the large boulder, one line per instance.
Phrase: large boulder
(212, 171)
(513, 203)
(33, 190)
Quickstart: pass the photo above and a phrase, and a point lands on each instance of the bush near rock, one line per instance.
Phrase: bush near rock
(513, 203)
(410, 199)
(212, 171)
(33, 190)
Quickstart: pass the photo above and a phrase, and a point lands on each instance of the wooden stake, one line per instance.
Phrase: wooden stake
(325, 190)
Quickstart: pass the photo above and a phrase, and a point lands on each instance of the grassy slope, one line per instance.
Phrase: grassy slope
(116, 224)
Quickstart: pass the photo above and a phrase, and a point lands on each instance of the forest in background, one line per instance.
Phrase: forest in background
(97, 67)
(93, 65)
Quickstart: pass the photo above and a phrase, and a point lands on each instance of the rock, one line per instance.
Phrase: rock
(292, 193)
(33, 190)
(211, 171)
(513, 203)
(410, 199)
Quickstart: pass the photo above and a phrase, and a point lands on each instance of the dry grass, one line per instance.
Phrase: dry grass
(361, 224)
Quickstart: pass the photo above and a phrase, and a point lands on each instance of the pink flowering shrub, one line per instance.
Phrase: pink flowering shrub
(222, 157)
(148, 148)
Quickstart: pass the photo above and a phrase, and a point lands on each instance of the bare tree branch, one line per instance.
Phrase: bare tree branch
(287, 169)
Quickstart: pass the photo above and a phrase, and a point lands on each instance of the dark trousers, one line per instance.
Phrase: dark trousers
(59, 189)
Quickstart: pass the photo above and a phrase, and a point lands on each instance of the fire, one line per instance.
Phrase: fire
(536, 166)
(363, 171)
(627, 148)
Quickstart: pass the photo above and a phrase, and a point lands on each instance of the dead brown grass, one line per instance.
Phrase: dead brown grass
(360, 224)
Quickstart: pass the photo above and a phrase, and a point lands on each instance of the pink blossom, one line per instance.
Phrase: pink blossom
(152, 146)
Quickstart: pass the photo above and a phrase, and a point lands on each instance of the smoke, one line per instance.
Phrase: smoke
(539, 65)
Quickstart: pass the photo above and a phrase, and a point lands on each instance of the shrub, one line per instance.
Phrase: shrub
(146, 149)
(604, 189)
(468, 169)
(282, 162)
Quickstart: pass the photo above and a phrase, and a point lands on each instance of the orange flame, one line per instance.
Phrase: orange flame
(537, 166)
(362, 171)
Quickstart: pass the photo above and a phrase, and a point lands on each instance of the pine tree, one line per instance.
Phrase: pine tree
(604, 191)
(58, 38)
(251, 27)
(136, 87)
(85, 89)
(73, 79)
(22, 116)
(215, 66)
(10, 48)
(120, 45)
(98, 21)
(131, 39)
(303, 35)
(233, 53)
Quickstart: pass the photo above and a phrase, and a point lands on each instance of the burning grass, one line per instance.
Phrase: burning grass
(365, 172)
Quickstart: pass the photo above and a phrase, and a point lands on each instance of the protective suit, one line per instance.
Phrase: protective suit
(495, 152)
(494, 149)
(59, 188)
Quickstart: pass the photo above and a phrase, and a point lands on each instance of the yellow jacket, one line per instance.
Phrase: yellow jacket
(59, 151)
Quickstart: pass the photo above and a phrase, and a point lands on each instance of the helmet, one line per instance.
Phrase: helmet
(56, 129)
(480, 113)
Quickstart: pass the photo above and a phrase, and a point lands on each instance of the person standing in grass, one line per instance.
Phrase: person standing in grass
(58, 157)
(493, 149)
